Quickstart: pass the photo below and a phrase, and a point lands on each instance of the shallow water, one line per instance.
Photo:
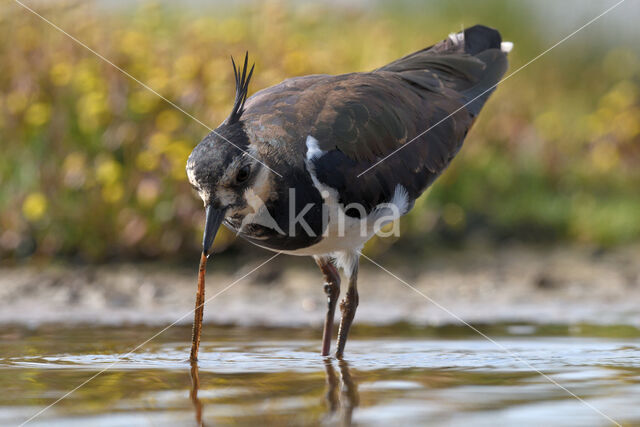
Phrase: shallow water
(402, 375)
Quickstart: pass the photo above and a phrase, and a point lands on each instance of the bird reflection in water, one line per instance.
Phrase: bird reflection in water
(193, 393)
(341, 393)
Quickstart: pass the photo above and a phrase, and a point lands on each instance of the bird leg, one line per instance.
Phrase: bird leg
(348, 308)
(332, 289)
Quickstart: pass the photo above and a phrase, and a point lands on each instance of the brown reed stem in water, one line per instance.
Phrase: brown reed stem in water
(197, 318)
(193, 394)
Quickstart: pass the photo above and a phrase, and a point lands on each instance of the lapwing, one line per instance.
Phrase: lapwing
(307, 167)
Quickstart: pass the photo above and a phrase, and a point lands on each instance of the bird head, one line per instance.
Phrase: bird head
(223, 169)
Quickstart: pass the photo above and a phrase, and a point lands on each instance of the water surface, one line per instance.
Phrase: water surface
(402, 375)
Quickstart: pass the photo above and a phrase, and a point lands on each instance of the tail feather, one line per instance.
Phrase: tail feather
(471, 62)
(480, 38)
(477, 94)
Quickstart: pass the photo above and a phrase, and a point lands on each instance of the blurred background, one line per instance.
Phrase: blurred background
(92, 164)
(532, 235)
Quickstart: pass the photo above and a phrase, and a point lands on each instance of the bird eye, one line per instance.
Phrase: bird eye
(243, 174)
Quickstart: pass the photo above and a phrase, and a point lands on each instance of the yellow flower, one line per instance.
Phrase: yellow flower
(112, 192)
(60, 74)
(605, 157)
(34, 206)
(74, 168)
(38, 114)
(158, 142)
(626, 125)
(92, 104)
(85, 79)
(622, 96)
(186, 66)
(91, 110)
(158, 78)
(147, 160)
(142, 101)
(108, 171)
(168, 120)
(133, 43)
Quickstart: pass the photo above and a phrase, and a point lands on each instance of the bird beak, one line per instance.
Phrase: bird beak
(211, 226)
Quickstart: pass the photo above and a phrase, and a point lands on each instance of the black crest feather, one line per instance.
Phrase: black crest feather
(242, 87)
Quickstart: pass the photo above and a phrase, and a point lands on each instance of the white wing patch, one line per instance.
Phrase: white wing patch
(394, 208)
(345, 235)
(506, 47)
(313, 149)
(314, 152)
(400, 199)
(457, 38)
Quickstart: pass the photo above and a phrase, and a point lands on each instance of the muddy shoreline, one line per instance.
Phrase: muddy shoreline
(554, 285)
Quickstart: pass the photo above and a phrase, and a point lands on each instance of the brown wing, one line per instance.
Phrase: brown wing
(376, 116)
(360, 118)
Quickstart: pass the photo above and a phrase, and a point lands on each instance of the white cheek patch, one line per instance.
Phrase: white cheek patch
(225, 196)
(261, 186)
(259, 214)
(256, 212)
(257, 194)
(203, 196)
(253, 200)
(191, 175)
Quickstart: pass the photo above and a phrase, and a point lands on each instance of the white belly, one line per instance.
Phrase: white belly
(336, 238)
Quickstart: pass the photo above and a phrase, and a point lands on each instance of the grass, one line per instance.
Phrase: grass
(92, 164)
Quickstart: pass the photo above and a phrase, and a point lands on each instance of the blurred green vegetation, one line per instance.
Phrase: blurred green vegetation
(92, 163)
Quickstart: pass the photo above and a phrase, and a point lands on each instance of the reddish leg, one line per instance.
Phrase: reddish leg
(348, 307)
(332, 289)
